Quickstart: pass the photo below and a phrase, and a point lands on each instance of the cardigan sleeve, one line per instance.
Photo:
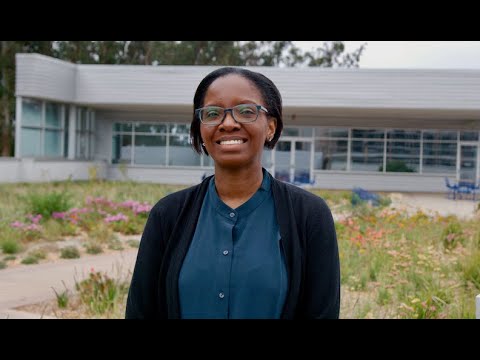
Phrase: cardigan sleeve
(142, 295)
(322, 267)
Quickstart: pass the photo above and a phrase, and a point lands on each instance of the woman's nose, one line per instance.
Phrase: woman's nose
(229, 122)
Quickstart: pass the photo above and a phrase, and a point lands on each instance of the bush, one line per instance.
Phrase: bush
(10, 246)
(47, 204)
(396, 166)
(69, 252)
(93, 249)
(100, 292)
(30, 259)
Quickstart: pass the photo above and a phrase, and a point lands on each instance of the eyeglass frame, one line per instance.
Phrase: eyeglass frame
(225, 110)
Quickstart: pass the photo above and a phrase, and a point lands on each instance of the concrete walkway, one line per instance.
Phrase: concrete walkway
(31, 284)
(432, 203)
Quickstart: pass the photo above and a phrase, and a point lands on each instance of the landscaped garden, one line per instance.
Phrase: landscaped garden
(393, 264)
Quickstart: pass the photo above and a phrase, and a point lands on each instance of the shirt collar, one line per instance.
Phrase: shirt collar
(251, 204)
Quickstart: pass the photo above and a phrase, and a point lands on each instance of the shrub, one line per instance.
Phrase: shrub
(69, 252)
(47, 204)
(10, 246)
(93, 248)
(452, 235)
(30, 259)
(100, 293)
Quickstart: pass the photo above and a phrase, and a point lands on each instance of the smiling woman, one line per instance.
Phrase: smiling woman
(241, 244)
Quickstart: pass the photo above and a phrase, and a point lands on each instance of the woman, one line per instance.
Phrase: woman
(241, 244)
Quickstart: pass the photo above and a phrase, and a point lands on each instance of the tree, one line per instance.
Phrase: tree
(332, 55)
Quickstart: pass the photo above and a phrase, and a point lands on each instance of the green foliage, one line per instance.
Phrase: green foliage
(29, 260)
(46, 204)
(38, 253)
(115, 244)
(10, 258)
(93, 248)
(62, 298)
(100, 233)
(452, 235)
(384, 201)
(10, 246)
(396, 166)
(416, 308)
(384, 296)
(471, 270)
(100, 293)
(3, 264)
(69, 252)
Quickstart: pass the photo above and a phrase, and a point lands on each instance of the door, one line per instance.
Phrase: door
(293, 159)
(468, 162)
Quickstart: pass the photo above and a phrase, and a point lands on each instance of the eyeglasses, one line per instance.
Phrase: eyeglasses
(243, 113)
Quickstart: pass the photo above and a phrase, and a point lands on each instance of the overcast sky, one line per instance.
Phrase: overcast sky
(412, 54)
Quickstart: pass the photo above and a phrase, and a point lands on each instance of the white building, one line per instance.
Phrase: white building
(400, 130)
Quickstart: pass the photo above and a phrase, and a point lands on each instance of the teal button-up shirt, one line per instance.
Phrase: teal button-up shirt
(235, 266)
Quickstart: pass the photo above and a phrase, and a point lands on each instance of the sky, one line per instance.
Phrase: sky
(412, 54)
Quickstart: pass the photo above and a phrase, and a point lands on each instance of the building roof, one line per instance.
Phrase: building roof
(41, 76)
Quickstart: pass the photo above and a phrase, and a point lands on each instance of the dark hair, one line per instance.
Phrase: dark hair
(270, 94)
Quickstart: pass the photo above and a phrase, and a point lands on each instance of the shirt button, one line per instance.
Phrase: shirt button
(221, 295)
(225, 252)
(232, 214)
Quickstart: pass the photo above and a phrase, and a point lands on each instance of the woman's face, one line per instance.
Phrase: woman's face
(228, 91)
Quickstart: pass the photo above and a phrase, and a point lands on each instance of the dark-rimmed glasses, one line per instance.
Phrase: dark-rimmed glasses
(243, 113)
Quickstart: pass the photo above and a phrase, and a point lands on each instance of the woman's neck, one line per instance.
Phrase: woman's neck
(235, 187)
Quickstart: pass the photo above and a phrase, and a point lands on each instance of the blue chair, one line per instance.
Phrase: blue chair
(452, 189)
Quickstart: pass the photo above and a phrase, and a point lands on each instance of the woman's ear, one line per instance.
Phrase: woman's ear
(272, 127)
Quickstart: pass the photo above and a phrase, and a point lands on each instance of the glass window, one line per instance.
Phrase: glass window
(42, 131)
(331, 132)
(469, 135)
(150, 128)
(297, 131)
(31, 140)
(439, 158)
(367, 155)
(331, 154)
(82, 146)
(53, 116)
(404, 134)
(368, 133)
(179, 129)
(84, 133)
(31, 112)
(446, 135)
(121, 149)
(125, 127)
(180, 151)
(150, 150)
(53, 143)
(403, 156)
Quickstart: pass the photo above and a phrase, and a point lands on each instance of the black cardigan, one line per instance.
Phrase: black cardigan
(307, 235)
